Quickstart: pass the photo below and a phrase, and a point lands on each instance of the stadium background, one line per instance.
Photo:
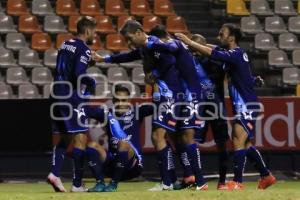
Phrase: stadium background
(31, 32)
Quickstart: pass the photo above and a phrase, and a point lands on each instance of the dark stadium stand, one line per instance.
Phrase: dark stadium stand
(32, 31)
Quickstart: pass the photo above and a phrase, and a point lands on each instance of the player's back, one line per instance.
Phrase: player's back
(71, 54)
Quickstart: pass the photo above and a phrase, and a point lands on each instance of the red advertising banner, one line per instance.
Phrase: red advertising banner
(278, 130)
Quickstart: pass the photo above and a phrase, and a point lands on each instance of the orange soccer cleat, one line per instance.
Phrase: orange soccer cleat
(232, 185)
(222, 186)
(266, 182)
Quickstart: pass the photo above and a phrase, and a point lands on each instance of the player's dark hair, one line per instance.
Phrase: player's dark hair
(121, 88)
(234, 30)
(198, 37)
(131, 26)
(85, 23)
(159, 31)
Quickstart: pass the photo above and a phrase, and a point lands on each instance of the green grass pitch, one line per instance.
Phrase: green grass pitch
(138, 190)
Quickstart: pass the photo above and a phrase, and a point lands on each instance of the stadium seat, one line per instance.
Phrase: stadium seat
(133, 88)
(54, 24)
(104, 25)
(1, 8)
(29, 58)
(284, 7)
(163, 8)
(278, 58)
(6, 91)
(16, 7)
(265, 42)
(138, 76)
(237, 7)
(29, 24)
(176, 24)
(46, 91)
(296, 57)
(260, 7)
(274, 80)
(122, 19)
(6, 24)
(1, 43)
(97, 74)
(16, 76)
(105, 53)
(60, 38)
(103, 90)
(116, 42)
(291, 76)
(41, 41)
(72, 25)
(294, 24)
(66, 8)
(41, 76)
(97, 44)
(140, 7)
(275, 25)
(50, 56)
(41, 7)
(7, 58)
(150, 21)
(115, 8)
(15, 41)
(117, 74)
(90, 7)
(28, 91)
(251, 25)
(288, 41)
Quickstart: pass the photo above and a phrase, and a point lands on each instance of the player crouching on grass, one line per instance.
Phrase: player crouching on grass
(244, 101)
(123, 160)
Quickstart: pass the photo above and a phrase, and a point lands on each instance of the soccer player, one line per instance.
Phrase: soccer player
(72, 61)
(214, 74)
(195, 89)
(123, 161)
(169, 87)
(244, 101)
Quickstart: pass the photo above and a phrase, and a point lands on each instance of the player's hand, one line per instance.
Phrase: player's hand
(259, 81)
(96, 57)
(183, 38)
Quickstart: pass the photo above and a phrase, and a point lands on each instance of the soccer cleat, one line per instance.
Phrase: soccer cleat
(161, 187)
(99, 187)
(232, 185)
(56, 183)
(111, 187)
(202, 187)
(266, 182)
(222, 186)
(79, 189)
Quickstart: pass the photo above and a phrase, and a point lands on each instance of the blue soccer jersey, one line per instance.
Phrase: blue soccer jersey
(240, 85)
(72, 61)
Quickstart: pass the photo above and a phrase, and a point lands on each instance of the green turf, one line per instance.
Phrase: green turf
(138, 190)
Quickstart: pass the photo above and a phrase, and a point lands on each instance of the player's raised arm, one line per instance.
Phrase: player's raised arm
(203, 49)
(161, 46)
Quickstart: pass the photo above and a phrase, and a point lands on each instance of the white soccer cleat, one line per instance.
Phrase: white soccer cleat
(202, 187)
(161, 187)
(56, 183)
(79, 189)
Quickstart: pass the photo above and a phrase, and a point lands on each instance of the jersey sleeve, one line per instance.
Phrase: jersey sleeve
(124, 57)
(81, 64)
(224, 55)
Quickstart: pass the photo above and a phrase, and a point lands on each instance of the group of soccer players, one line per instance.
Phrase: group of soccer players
(187, 78)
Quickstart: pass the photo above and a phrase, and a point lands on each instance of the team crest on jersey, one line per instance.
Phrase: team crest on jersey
(245, 56)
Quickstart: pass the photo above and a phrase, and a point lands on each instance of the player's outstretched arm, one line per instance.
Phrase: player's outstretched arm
(118, 58)
(203, 49)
